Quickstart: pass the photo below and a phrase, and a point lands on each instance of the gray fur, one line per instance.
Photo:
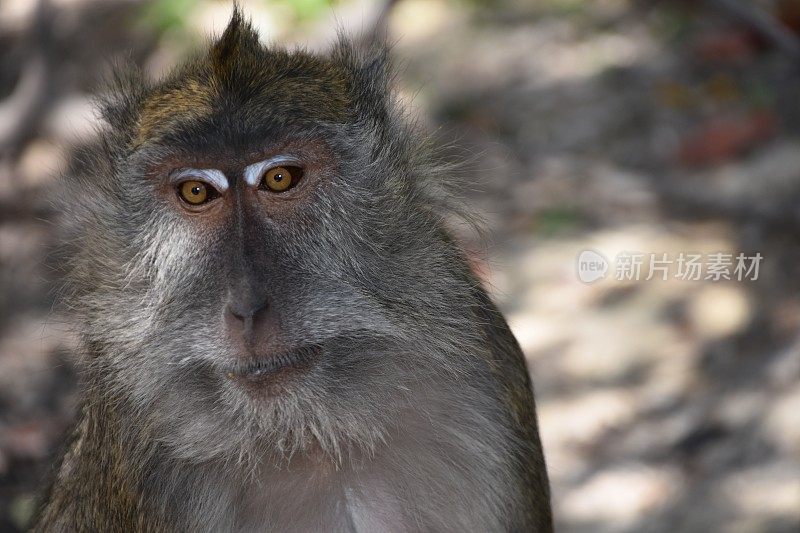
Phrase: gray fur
(406, 423)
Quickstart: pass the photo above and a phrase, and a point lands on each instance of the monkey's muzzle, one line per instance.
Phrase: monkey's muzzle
(269, 369)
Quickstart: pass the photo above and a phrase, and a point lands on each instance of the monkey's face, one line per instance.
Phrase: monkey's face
(261, 265)
(267, 280)
(264, 288)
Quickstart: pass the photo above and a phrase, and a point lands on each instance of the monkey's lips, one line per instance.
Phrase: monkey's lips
(263, 371)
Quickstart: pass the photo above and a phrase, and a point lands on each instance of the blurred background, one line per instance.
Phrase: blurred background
(656, 127)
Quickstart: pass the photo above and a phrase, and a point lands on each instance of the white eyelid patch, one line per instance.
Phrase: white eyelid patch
(252, 173)
(211, 176)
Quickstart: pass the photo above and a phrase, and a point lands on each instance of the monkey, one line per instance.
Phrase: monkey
(279, 330)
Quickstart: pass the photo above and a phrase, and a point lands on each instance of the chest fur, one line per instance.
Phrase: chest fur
(426, 481)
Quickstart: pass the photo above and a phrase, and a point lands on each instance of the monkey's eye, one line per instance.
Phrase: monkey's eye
(279, 179)
(196, 192)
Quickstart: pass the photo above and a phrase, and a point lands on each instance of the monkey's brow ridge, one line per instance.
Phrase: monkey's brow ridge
(211, 175)
(252, 173)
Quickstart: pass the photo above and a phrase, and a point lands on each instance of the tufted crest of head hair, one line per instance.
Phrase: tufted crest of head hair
(239, 80)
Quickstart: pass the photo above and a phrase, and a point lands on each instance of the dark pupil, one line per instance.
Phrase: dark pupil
(278, 178)
(196, 190)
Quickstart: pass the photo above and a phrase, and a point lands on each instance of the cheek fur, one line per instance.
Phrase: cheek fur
(173, 252)
(156, 287)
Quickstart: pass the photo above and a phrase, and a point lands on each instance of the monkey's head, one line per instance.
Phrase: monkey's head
(262, 261)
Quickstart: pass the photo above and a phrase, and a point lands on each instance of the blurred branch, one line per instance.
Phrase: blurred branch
(380, 28)
(22, 111)
(24, 207)
(763, 23)
(692, 201)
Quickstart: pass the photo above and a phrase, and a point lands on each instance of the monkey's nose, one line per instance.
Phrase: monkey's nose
(244, 316)
(254, 329)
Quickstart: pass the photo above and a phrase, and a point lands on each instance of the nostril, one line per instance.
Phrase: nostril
(243, 310)
(237, 321)
(242, 319)
(235, 312)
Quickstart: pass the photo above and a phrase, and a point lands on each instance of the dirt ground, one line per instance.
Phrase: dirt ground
(649, 127)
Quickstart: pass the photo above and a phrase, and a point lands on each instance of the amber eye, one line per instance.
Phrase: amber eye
(195, 192)
(279, 179)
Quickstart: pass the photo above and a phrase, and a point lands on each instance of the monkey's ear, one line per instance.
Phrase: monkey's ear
(238, 40)
(370, 74)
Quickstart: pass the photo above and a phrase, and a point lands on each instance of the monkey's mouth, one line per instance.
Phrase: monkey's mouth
(266, 370)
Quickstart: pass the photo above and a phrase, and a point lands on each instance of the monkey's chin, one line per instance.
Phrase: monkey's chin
(266, 376)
